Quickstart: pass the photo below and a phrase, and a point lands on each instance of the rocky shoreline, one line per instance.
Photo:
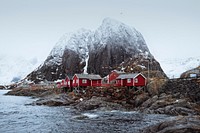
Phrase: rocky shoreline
(81, 102)
(170, 98)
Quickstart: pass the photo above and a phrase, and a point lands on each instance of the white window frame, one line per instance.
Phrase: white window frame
(77, 81)
(128, 80)
(136, 80)
(84, 81)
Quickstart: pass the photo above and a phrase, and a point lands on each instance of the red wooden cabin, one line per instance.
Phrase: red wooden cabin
(113, 76)
(63, 83)
(136, 79)
(66, 83)
(58, 84)
(84, 80)
(69, 81)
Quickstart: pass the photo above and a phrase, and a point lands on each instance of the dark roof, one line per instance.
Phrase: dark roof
(128, 76)
(88, 76)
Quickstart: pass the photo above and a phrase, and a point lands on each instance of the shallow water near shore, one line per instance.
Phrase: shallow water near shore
(17, 115)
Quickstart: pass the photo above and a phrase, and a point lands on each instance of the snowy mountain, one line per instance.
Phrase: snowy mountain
(98, 52)
(111, 31)
(13, 69)
(73, 41)
(175, 67)
(118, 34)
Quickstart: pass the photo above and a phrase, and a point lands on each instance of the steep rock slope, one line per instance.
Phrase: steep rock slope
(114, 42)
(113, 45)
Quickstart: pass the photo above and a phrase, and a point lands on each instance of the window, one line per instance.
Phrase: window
(77, 81)
(84, 81)
(68, 82)
(136, 80)
(128, 80)
(73, 81)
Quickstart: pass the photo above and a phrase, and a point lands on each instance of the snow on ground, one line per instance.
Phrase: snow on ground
(14, 68)
(175, 67)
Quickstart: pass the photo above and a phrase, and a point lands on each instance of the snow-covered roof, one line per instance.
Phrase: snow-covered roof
(88, 76)
(129, 76)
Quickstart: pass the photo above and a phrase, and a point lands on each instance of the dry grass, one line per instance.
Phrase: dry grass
(155, 85)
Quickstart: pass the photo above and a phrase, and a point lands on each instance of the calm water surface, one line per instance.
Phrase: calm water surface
(18, 116)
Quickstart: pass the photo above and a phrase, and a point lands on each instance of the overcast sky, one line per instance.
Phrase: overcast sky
(31, 28)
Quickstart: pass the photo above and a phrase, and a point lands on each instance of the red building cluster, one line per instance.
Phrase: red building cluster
(115, 78)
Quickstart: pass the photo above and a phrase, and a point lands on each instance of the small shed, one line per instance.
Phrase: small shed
(63, 83)
(136, 79)
(84, 80)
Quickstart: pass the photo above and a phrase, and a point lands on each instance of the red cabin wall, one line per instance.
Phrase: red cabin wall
(118, 82)
(74, 83)
(58, 85)
(125, 82)
(66, 80)
(66, 83)
(112, 76)
(96, 82)
(63, 83)
(71, 83)
(141, 81)
(81, 84)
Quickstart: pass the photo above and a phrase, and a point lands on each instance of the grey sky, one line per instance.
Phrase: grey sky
(31, 28)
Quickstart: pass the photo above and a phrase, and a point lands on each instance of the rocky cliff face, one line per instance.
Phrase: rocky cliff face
(113, 45)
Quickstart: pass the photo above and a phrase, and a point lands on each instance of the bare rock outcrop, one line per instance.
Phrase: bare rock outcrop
(100, 103)
(182, 124)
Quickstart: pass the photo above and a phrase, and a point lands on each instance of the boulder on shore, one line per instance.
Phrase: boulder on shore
(55, 100)
(101, 103)
(187, 124)
(167, 104)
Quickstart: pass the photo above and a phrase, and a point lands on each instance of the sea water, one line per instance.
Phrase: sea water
(17, 115)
